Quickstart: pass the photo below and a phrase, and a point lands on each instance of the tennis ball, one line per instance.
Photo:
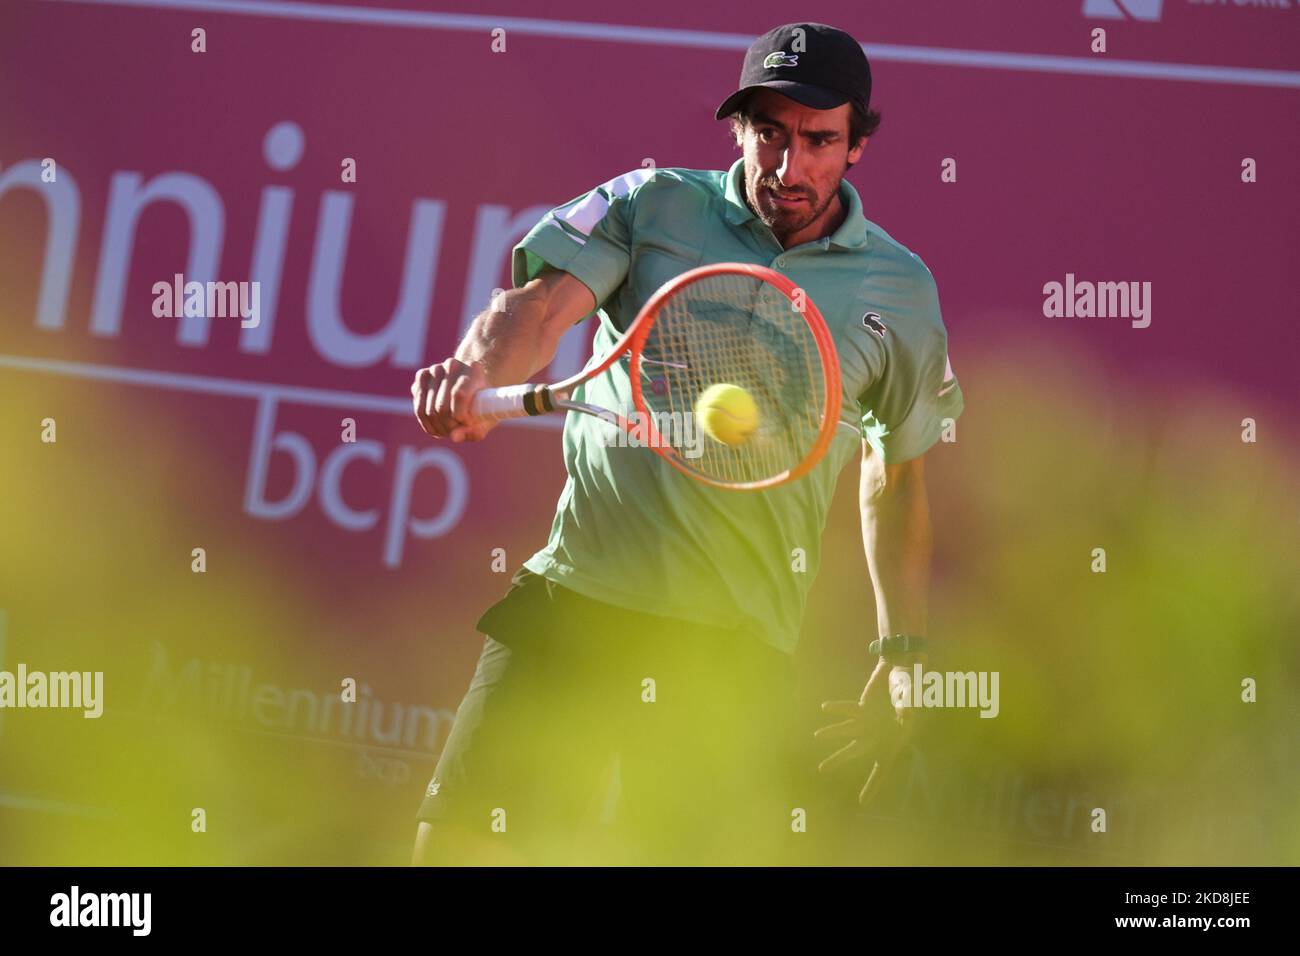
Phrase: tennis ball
(727, 413)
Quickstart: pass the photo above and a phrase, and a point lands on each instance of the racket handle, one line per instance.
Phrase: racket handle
(512, 401)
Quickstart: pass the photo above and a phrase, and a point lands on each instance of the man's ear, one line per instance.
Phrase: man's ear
(738, 133)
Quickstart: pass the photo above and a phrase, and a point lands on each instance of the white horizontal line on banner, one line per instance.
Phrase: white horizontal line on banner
(212, 385)
(703, 39)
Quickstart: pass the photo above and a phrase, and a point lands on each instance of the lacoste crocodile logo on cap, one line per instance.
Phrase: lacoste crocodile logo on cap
(780, 58)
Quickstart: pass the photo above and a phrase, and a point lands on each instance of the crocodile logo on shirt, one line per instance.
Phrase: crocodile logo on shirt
(780, 58)
(872, 321)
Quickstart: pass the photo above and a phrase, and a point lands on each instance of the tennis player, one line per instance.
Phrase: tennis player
(631, 703)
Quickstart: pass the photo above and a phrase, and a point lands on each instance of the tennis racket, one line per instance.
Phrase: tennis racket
(730, 323)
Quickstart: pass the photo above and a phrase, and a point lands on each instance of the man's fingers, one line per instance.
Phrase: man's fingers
(844, 730)
(871, 789)
(419, 386)
(421, 402)
(474, 432)
(431, 412)
(442, 402)
(417, 403)
(443, 398)
(886, 759)
(840, 708)
(462, 398)
(843, 755)
(478, 431)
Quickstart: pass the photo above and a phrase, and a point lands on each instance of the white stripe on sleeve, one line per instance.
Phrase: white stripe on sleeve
(584, 213)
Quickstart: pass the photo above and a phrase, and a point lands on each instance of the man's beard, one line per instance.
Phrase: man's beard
(786, 221)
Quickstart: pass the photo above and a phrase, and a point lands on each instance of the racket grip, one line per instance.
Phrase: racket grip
(512, 401)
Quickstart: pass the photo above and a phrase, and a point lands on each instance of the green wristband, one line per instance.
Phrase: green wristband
(898, 644)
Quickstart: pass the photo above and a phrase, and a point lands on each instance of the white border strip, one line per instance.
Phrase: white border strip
(211, 385)
(700, 39)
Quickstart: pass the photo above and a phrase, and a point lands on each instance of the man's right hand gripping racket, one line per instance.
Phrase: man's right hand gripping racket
(728, 324)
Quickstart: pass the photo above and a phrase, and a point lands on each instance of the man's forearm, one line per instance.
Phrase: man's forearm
(898, 541)
(509, 339)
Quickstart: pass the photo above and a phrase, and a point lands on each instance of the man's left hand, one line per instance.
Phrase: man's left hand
(877, 726)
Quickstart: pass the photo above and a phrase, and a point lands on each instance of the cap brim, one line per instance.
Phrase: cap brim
(816, 97)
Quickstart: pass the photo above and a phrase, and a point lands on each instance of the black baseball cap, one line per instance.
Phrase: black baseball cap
(812, 63)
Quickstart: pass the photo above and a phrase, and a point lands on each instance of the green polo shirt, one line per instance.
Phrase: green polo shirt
(631, 530)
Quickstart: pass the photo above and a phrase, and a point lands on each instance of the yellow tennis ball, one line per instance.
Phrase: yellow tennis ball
(727, 413)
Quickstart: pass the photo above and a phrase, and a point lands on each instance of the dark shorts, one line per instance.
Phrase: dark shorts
(594, 733)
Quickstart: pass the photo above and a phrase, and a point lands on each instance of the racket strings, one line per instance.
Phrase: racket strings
(738, 330)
